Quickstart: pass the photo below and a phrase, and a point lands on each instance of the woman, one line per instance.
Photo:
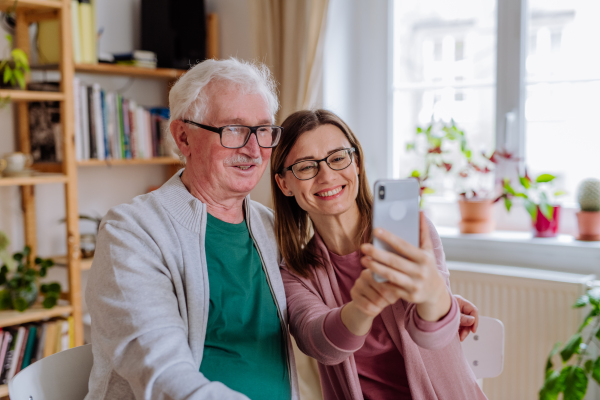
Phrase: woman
(391, 340)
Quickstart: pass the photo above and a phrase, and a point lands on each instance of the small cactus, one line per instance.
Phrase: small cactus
(589, 195)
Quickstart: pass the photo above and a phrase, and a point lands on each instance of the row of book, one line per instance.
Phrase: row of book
(109, 126)
(22, 345)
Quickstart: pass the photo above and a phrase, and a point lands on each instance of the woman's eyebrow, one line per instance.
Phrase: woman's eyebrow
(307, 158)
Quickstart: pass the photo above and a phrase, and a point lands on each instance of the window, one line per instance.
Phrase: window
(446, 55)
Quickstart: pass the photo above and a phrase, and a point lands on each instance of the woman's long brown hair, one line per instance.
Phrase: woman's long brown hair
(293, 226)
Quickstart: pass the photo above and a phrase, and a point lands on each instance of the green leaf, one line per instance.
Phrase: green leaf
(531, 209)
(19, 304)
(525, 182)
(549, 364)
(7, 76)
(594, 295)
(410, 146)
(545, 178)
(415, 173)
(571, 347)
(508, 188)
(5, 300)
(547, 210)
(582, 301)
(428, 190)
(19, 56)
(576, 382)
(20, 78)
(419, 129)
(553, 385)
(559, 193)
(589, 364)
(38, 260)
(26, 251)
(507, 203)
(587, 320)
(596, 370)
(468, 154)
(54, 287)
(49, 302)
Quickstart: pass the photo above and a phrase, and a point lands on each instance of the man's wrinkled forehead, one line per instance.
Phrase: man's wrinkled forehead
(215, 91)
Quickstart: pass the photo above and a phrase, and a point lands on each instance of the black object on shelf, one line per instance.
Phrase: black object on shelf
(175, 31)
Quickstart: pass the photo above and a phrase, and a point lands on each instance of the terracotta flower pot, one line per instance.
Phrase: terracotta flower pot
(589, 225)
(476, 216)
(543, 227)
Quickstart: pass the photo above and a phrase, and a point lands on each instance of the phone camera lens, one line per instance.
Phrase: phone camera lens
(382, 192)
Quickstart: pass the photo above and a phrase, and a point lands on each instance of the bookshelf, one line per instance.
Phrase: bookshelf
(65, 172)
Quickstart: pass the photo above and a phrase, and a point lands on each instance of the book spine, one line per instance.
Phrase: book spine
(31, 340)
(8, 348)
(78, 133)
(92, 122)
(20, 335)
(23, 348)
(98, 122)
(121, 125)
(126, 129)
(76, 31)
(107, 148)
(85, 124)
(39, 353)
(86, 29)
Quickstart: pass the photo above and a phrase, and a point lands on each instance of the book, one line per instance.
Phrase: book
(121, 126)
(98, 122)
(48, 43)
(64, 335)
(58, 338)
(140, 55)
(31, 340)
(87, 32)
(85, 123)
(76, 31)
(92, 122)
(77, 107)
(16, 351)
(8, 347)
(39, 351)
(23, 348)
(50, 342)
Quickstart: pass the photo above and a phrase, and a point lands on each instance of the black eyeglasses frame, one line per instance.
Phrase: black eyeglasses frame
(253, 130)
(350, 150)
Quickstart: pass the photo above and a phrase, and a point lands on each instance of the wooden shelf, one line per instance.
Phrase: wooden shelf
(3, 390)
(126, 70)
(84, 264)
(135, 161)
(37, 179)
(35, 313)
(31, 95)
(41, 5)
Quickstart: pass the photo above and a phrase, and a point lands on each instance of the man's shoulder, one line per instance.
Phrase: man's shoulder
(141, 210)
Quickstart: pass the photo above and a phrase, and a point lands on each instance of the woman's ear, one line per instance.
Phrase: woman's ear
(179, 133)
(283, 185)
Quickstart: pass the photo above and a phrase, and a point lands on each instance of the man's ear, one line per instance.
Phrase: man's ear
(179, 133)
(282, 185)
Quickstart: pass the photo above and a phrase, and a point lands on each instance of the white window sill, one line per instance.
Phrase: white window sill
(563, 253)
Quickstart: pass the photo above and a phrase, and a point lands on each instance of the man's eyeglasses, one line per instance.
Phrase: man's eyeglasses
(308, 169)
(236, 136)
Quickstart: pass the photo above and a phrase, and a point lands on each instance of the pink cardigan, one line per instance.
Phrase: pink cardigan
(435, 365)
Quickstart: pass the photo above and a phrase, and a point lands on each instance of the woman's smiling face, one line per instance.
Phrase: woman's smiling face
(330, 192)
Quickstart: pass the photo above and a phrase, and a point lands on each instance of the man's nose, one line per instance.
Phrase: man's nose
(252, 148)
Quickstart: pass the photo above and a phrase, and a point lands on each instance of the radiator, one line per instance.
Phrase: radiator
(535, 307)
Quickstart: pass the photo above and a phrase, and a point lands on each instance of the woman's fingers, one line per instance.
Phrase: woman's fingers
(398, 245)
(390, 259)
(395, 277)
(425, 236)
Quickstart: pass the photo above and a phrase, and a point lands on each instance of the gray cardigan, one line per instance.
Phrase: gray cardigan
(148, 297)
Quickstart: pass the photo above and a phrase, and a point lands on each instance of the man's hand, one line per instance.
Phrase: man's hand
(469, 317)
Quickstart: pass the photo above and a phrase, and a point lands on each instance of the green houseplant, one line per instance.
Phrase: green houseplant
(539, 198)
(588, 218)
(19, 285)
(14, 67)
(578, 362)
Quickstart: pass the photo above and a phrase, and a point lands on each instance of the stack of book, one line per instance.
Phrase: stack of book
(137, 58)
(111, 127)
(22, 345)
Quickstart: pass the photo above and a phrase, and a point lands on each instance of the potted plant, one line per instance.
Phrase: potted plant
(538, 198)
(588, 218)
(14, 67)
(19, 286)
(572, 379)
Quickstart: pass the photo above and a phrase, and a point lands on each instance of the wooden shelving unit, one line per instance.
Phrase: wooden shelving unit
(30, 95)
(37, 179)
(32, 5)
(124, 70)
(134, 161)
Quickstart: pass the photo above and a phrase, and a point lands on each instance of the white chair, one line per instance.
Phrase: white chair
(61, 376)
(484, 350)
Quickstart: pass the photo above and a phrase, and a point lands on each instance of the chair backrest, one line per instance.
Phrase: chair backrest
(61, 376)
(484, 350)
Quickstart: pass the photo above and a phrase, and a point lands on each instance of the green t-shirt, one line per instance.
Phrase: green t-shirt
(244, 347)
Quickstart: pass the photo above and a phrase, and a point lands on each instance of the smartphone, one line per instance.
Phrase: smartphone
(396, 209)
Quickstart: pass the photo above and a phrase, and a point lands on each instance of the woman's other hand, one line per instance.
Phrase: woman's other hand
(411, 275)
(469, 317)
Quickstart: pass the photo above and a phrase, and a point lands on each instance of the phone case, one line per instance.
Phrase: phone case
(396, 209)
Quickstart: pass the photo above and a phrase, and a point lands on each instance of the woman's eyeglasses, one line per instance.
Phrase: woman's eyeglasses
(308, 169)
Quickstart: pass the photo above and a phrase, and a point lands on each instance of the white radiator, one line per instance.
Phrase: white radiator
(535, 307)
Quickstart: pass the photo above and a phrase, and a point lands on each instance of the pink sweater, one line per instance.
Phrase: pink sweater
(434, 363)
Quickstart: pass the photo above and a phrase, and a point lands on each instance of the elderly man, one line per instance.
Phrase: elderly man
(185, 293)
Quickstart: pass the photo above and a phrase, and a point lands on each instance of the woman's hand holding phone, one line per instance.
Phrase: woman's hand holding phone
(411, 274)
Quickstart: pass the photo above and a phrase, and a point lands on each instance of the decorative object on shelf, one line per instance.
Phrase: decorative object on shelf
(17, 164)
(572, 380)
(5, 257)
(20, 285)
(588, 218)
(45, 128)
(539, 199)
(14, 67)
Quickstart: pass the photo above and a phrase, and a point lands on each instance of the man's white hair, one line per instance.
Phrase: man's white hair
(188, 98)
